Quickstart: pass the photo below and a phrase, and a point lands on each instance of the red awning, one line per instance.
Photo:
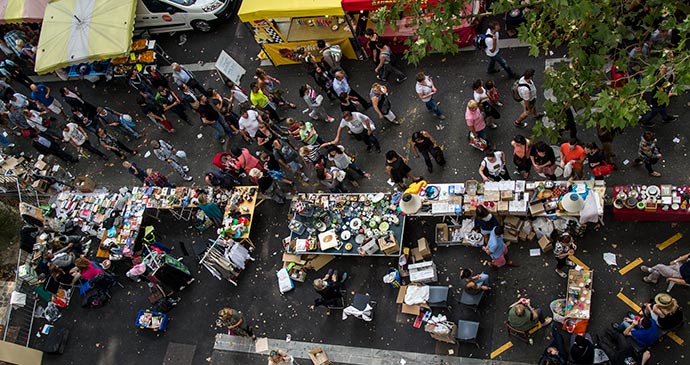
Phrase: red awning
(357, 5)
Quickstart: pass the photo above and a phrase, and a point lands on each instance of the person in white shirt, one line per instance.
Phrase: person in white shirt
(426, 90)
(341, 85)
(493, 166)
(492, 50)
(362, 128)
(249, 123)
(78, 138)
(528, 93)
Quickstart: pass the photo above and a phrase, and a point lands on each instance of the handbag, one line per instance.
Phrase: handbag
(602, 169)
(477, 142)
(437, 152)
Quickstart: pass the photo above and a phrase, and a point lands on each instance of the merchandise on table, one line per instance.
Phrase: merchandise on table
(652, 202)
(579, 294)
(345, 224)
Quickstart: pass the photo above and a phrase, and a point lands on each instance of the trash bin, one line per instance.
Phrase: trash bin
(558, 310)
(84, 184)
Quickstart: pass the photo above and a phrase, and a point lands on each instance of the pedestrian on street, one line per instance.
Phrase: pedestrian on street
(344, 161)
(493, 50)
(249, 123)
(141, 85)
(595, 158)
(521, 155)
(362, 129)
(134, 170)
(288, 158)
(225, 161)
(156, 178)
(528, 93)
(481, 97)
(47, 145)
(212, 118)
(16, 119)
(190, 98)
(78, 138)
(423, 143)
(342, 85)
(397, 169)
(244, 161)
(75, 100)
(426, 90)
(328, 55)
(564, 248)
(182, 76)
(155, 114)
(649, 153)
(385, 66)
(83, 120)
(21, 102)
(493, 93)
(381, 103)
(35, 120)
(656, 105)
(223, 179)
(12, 71)
(324, 79)
(224, 107)
(279, 357)
(171, 102)
(475, 120)
(113, 144)
(372, 37)
(311, 154)
(156, 78)
(41, 94)
(348, 103)
(274, 169)
(606, 137)
(332, 178)
(493, 166)
(261, 101)
(307, 134)
(269, 85)
(314, 102)
(573, 154)
(543, 160)
(265, 136)
(114, 119)
(238, 94)
(497, 249)
(164, 151)
(267, 186)
(211, 209)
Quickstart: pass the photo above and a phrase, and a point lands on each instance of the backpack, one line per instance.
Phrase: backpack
(336, 53)
(480, 41)
(514, 90)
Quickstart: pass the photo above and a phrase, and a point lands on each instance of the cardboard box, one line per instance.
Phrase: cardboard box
(416, 255)
(536, 208)
(291, 258)
(492, 195)
(424, 248)
(370, 247)
(506, 195)
(319, 262)
(512, 221)
(510, 235)
(441, 232)
(388, 245)
(319, 357)
(545, 244)
(503, 207)
(522, 236)
(401, 294)
(40, 185)
(531, 236)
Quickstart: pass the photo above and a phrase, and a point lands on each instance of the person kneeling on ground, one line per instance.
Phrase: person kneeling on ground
(523, 317)
(644, 331)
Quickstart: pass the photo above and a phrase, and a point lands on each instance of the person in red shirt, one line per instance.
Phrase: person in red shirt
(574, 154)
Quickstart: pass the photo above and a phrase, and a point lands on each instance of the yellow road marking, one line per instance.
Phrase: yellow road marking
(502, 349)
(636, 308)
(673, 239)
(630, 266)
(578, 262)
(675, 338)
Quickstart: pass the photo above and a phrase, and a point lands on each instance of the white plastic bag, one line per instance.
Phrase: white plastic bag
(285, 284)
(416, 294)
(542, 227)
(568, 170)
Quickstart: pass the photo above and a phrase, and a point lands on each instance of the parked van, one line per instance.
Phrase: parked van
(164, 16)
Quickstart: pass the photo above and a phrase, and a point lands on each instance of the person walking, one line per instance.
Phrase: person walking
(314, 103)
(75, 100)
(41, 94)
(134, 170)
(267, 186)
(78, 138)
(342, 160)
(475, 120)
(223, 179)
(112, 144)
(332, 178)
(112, 118)
(12, 71)
(341, 85)
(328, 54)
(212, 118)
(171, 102)
(649, 153)
(497, 249)
(287, 157)
(564, 248)
(156, 178)
(606, 137)
(262, 102)
(211, 209)
(385, 66)
(528, 93)
(141, 85)
(164, 151)
(381, 103)
(424, 144)
(493, 166)
(307, 134)
(521, 155)
(397, 169)
(362, 129)
(493, 50)
(182, 76)
(482, 97)
(249, 123)
(324, 79)
(269, 85)
(81, 119)
(426, 90)
(46, 144)
(234, 321)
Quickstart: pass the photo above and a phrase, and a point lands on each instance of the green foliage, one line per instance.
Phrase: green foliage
(10, 224)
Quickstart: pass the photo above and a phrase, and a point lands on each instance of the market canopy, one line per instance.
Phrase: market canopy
(357, 5)
(268, 9)
(76, 31)
(22, 11)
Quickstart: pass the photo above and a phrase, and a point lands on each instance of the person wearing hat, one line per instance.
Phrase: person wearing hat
(267, 186)
(665, 311)
(279, 357)
(235, 323)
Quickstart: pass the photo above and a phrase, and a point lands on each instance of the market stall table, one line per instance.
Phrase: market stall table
(345, 224)
(652, 203)
(579, 294)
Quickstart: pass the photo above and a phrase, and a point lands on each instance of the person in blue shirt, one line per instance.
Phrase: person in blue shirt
(497, 249)
(41, 94)
(643, 330)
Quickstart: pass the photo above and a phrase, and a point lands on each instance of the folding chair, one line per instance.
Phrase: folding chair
(512, 331)
(467, 332)
(438, 297)
(340, 304)
(471, 300)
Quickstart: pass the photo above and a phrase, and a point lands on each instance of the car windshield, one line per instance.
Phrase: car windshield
(184, 2)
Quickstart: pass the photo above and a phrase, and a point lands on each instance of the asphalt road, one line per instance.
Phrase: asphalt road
(108, 335)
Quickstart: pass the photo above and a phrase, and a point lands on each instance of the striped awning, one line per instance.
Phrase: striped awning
(22, 11)
(77, 31)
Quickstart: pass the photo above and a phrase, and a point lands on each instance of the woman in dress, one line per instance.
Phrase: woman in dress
(424, 144)
(397, 168)
(521, 155)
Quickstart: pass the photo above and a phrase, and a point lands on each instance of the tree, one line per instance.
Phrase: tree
(10, 224)
(593, 35)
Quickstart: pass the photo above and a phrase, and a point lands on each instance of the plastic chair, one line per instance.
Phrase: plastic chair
(438, 297)
(471, 300)
(467, 332)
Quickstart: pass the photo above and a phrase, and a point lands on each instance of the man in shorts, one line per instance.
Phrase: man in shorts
(41, 94)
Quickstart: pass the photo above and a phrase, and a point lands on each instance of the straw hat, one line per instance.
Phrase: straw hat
(319, 284)
(410, 204)
(666, 302)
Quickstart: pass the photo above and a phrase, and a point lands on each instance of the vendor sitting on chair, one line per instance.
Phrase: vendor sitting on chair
(523, 317)
(475, 284)
(329, 289)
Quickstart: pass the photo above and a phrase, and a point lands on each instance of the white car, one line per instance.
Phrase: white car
(165, 16)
